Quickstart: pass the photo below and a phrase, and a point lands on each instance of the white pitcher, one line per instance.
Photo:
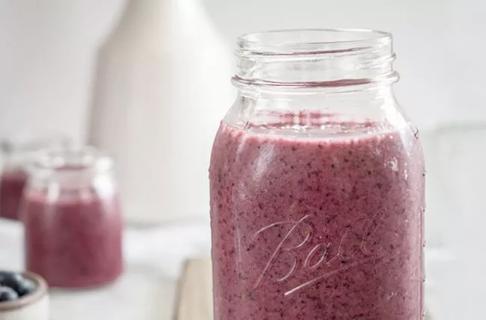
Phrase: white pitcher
(157, 100)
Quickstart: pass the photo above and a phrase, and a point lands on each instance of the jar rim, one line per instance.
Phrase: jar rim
(311, 41)
(73, 159)
(312, 59)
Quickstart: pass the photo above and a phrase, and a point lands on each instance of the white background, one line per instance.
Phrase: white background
(48, 49)
(47, 58)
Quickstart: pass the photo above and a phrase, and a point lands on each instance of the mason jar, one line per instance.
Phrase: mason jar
(16, 155)
(317, 183)
(72, 218)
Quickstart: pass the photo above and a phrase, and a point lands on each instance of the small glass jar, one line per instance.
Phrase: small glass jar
(72, 217)
(317, 183)
(16, 157)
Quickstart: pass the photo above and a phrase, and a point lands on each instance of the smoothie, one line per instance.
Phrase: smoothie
(74, 241)
(308, 227)
(12, 183)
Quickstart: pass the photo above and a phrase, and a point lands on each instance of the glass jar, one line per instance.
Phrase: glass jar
(72, 218)
(317, 183)
(17, 154)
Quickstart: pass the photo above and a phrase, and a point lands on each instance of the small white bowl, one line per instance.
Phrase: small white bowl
(34, 306)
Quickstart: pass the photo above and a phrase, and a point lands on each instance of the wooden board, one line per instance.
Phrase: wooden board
(194, 298)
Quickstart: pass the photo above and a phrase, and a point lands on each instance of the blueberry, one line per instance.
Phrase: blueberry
(7, 294)
(5, 276)
(24, 287)
(17, 282)
(11, 279)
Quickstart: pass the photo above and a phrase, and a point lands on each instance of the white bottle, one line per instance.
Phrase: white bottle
(160, 91)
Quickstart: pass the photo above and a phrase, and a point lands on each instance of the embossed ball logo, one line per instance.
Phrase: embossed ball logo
(304, 256)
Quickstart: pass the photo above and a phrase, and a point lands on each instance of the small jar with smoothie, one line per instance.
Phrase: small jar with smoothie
(16, 155)
(317, 183)
(72, 217)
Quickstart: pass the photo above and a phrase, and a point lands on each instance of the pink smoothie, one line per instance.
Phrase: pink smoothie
(323, 228)
(12, 183)
(75, 241)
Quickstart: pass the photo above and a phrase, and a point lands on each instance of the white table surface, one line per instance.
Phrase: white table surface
(154, 258)
(146, 291)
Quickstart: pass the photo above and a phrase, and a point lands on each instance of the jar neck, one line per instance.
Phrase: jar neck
(337, 98)
(315, 58)
(71, 169)
(19, 152)
(351, 104)
(301, 79)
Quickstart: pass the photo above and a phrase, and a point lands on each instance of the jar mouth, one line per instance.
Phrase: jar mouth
(73, 159)
(311, 41)
(312, 58)
(20, 151)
